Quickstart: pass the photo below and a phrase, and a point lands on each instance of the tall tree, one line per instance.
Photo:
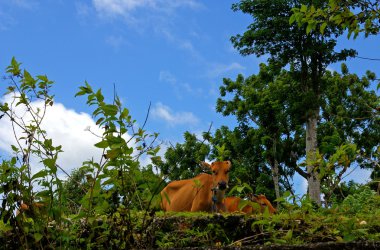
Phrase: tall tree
(308, 53)
(262, 105)
(349, 129)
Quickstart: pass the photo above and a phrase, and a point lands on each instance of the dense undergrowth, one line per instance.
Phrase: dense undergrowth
(356, 219)
(113, 203)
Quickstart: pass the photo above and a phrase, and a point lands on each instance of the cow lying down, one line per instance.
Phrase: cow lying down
(256, 203)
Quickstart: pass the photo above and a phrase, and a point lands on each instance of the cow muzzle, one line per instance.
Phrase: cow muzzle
(222, 185)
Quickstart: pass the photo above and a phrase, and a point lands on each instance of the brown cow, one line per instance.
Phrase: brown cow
(204, 192)
(232, 204)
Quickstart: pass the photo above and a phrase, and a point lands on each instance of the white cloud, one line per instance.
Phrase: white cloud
(146, 16)
(220, 69)
(82, 9)
(181, 43)
(358, 175)
(166, 76)
(65, 127)
(26, 4)
(118, 7)
(114, 8)
(115, 41)
(179, 88)
(160, 111)
(7, 17)
(6, 21)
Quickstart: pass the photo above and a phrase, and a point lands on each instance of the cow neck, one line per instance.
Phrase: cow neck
(217, 195)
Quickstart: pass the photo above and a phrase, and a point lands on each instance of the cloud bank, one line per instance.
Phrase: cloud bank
(65, 127)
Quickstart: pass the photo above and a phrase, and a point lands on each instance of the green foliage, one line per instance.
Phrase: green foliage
(355, 16)
(267, 107)
(35, 207)
(296, 224)
(240, 189)
(247, 157)
(307, 53)
(40, 210)
(363, 200)
(182, 160)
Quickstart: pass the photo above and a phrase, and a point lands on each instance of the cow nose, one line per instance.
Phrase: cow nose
(222, 185)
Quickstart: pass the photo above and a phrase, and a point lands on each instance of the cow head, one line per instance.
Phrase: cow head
(220, 170)
(262, 200)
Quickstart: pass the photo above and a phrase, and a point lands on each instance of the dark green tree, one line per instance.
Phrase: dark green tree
(182, 160)
(308, 54)
(262, 106)
(249, 168)
(349, 128)
(74, 189)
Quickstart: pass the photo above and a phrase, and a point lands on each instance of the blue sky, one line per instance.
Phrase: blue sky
(172, 53)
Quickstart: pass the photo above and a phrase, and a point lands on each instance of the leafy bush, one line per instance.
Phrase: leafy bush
(88, 209)
(365, 200)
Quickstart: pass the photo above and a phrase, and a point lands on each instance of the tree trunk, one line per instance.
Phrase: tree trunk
(276, 180)
(314, 183)
(275, 172)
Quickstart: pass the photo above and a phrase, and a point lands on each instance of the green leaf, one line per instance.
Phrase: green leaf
(43, 78)
(113, 153)
(37, 237)
(243, 203)
(110, 110)
(312, 10)
(14, 68)
(239, 189)
(44, 194)
(124, 114)
(167, 197)
(100, 120)
(332, 4)
(197, 183)
(29, 80)
(39, 174)
(4, 107)
(84, 90)
(99, 96)
(311, 26)
(292, 19)
(14, 148)
(303, 8)
(322, 28)
(22, 168)
(50, 163)
(5, 227)
(289, 235)
(101, 144)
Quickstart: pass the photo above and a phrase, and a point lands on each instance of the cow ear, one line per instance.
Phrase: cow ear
(205, 165)
(229, 164)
